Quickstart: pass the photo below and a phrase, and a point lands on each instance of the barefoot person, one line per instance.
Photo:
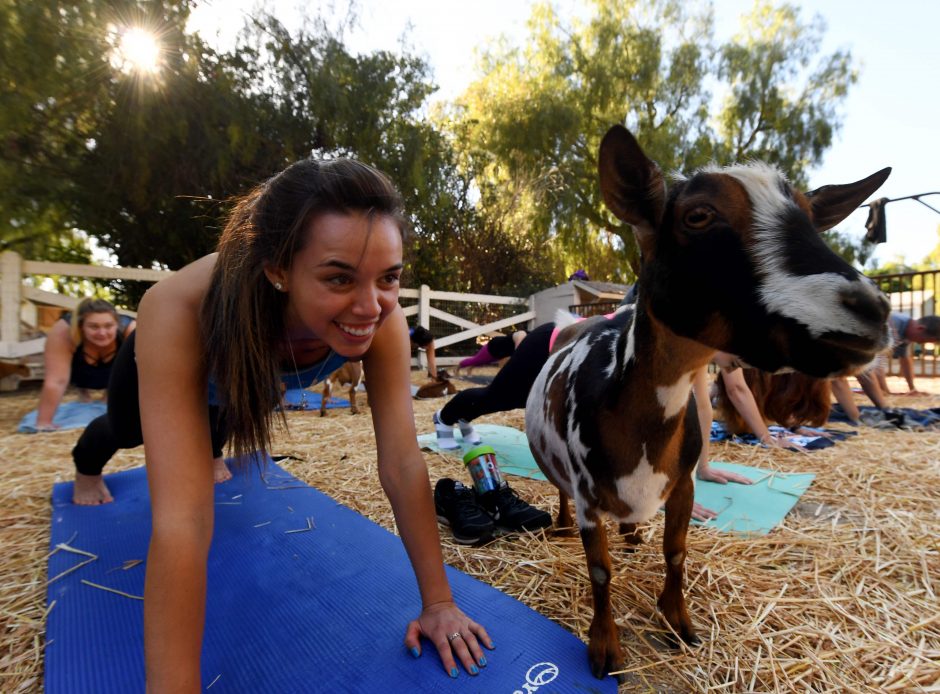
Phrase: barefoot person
(306, 277)
(80, 350)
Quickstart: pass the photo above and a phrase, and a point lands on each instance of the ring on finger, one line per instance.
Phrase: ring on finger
(453, 637)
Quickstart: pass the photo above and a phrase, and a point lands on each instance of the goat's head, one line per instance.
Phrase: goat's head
(732, 258)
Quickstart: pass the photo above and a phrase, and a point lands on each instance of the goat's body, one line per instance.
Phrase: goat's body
(593, 420)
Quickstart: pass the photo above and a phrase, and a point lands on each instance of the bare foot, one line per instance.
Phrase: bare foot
(220, 471)
(90, 490)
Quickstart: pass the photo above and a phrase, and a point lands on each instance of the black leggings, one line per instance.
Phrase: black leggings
(120, 427)
(511, 385)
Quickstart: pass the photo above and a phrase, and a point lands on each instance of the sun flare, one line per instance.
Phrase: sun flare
(138, 51)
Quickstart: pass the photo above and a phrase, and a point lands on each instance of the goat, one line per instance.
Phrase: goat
(436, 388)
(349, 374)
(731, 260)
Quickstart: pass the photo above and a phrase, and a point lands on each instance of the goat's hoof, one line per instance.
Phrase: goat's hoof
(323, 414)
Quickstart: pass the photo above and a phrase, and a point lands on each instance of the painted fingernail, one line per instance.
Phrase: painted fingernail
(482, 661)
(415, 652)
(474, 670)
(492, 645)
(453, 673)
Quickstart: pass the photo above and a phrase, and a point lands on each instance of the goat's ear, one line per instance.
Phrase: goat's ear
(832, 204)
(632, 185)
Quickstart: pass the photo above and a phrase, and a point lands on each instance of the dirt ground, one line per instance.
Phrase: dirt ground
(841, 597)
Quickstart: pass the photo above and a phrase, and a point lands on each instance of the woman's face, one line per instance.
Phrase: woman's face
(343, 283)
(99, 329)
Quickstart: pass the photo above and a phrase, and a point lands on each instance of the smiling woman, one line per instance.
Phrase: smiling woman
(137, 50)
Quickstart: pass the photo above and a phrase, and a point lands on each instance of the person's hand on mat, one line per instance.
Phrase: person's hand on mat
(914, 392)
(710, 474)
(453, 634)
(45, 428)
(700, 513)
(775, 441)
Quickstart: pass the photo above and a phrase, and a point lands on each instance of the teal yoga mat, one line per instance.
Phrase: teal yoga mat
(304, 596)
(755, 508)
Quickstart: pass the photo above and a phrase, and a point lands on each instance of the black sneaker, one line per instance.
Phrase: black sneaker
(510, 512)
(457, 508)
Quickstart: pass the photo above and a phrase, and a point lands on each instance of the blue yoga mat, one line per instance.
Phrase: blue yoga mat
(69, 415)
(321, 610)
(294, 397)
(743, 508)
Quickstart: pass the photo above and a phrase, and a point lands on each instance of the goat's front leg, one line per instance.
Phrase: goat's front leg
(564, 524)
(604, 653)
(327, 391)
(352, 399)
(672, 601)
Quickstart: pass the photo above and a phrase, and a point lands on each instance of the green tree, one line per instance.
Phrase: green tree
(536, 116)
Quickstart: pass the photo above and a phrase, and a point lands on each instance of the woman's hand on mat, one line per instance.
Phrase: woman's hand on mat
(775, 441)
(41, 428)
(456, 637)
(700, 513)
(710, 474)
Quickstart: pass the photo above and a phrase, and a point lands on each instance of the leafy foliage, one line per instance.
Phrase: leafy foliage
(535, 117)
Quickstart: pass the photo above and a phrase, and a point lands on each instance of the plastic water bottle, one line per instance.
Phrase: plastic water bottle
(483, 469)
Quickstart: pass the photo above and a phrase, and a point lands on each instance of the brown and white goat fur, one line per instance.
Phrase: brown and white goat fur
(349, 374)
(732, 261)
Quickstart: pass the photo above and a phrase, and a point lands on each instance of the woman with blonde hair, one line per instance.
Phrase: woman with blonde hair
(80, 350)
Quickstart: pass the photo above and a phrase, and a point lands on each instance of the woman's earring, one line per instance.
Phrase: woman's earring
(278, 286)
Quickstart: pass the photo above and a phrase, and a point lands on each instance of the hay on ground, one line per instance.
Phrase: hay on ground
(842, 597)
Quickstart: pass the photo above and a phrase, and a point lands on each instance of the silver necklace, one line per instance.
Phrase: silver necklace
(316, 379)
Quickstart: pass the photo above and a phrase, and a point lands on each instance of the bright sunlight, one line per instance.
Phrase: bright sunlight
(137, 51)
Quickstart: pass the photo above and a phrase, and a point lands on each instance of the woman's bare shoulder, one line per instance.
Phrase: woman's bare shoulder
(185, 288)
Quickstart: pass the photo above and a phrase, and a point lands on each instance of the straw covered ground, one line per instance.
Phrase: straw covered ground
(842, 597)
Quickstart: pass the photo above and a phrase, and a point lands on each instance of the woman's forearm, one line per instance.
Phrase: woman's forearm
(409, 493)
(174, 613)
(49, 399)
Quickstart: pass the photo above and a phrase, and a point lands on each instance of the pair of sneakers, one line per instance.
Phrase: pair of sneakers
(474, 517)
(445, 433)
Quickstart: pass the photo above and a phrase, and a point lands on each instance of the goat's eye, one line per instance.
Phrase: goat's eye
(699, 217)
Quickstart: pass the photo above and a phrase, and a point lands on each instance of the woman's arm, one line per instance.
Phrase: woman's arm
(432, 359)
(843, 395)
(703, 470)
(57, 368)
(404, 478)
(743, 400)
(174, 418)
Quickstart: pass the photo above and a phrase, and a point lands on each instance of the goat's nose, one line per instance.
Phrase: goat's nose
(868, 303)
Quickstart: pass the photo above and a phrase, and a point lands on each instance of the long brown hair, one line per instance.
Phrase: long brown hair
(789, 399)
(242, 313)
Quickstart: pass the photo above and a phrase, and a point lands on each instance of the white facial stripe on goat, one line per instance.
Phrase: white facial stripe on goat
(642, 490)
(814, 301)
(674, 397)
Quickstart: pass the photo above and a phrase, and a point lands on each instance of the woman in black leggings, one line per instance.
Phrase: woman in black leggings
(510, 387)
(120, 428)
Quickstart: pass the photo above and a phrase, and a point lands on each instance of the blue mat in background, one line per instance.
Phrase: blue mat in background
(69, 415)
(744, 508)
(294, 397)
(322, 610)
